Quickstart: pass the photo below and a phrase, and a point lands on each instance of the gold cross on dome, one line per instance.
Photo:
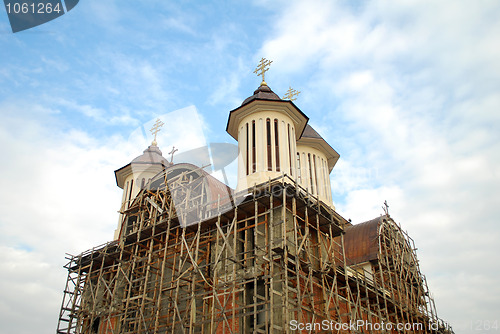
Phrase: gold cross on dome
(290, 94)
(262, 68)
(155, 129)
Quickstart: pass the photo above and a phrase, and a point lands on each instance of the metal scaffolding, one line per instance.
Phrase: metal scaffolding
(262, 261)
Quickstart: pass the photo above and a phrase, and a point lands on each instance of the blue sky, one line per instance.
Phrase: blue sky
(406, 92)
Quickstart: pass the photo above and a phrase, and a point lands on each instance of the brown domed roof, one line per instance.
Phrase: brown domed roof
(150, 158)
(151, 155)
(262, 93)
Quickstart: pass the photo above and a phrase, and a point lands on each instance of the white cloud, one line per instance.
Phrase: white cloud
(176, 131)
(226, 91)
(182, 24)
(58, 195)
(30, 285)
(362, 204)
(138, 81)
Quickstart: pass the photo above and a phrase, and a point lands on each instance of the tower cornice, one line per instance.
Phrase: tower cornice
(262, 105)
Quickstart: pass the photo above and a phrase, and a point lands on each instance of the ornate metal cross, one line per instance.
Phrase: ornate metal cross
(386, 208)
(262, 68)
(290, 94)
(172, 154)
(155, 129)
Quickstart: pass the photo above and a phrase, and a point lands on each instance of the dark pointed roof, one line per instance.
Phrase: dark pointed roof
(309, 132)
(313, 139)
(264, 92)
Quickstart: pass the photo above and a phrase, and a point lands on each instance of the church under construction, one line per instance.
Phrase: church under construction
(192, 255)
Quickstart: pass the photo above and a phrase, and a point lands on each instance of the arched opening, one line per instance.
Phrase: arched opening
(310, 172)
(276, 144)
(269, 154)
(254, 162)
(246, 150)
(290, 151)
(298, 168)
(130, 192)
(316, 175)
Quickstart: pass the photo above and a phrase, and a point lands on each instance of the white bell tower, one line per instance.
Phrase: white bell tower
(267, 129)
(274, 139)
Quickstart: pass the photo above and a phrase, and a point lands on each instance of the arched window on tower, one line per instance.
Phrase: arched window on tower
(269, 154)
(298, 168)
(316, 175)
(325, 177)
(130, 192)
(247, 147)
(290, 151)
(254, 163)
(276, 144)
(310, 172)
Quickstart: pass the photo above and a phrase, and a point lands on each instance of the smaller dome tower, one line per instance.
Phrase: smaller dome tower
(315, 161)
(274, 139)
(267, 129)
(135, 175)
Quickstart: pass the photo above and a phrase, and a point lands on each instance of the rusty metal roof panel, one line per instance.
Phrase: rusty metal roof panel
(361, 242)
